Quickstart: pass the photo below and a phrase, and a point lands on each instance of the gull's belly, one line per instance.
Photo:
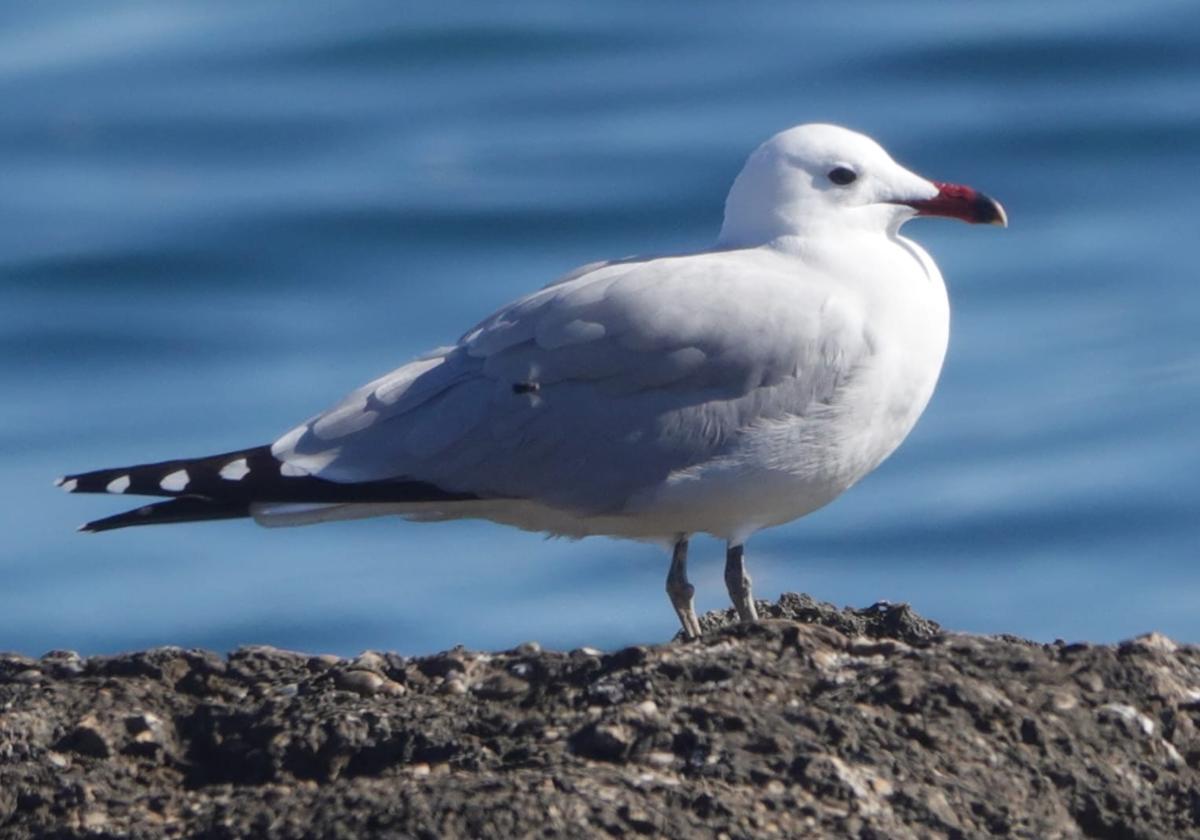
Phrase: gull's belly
(783, 468)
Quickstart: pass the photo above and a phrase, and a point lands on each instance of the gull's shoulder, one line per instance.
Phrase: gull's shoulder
(645, 294)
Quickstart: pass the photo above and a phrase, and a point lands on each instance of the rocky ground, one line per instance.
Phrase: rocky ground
(817, 722)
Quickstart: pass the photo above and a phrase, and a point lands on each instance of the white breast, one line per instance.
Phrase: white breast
(787, 467)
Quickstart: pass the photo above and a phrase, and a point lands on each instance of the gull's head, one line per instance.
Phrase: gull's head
(815, 177)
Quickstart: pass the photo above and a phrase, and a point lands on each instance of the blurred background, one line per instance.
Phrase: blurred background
(220, 217)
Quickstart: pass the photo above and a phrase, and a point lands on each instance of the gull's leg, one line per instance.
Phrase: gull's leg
(738, 583)
(680, 591)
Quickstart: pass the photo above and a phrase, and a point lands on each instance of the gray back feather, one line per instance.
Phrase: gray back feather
(599, 386)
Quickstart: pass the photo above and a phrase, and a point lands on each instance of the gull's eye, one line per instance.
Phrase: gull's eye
(842, 176)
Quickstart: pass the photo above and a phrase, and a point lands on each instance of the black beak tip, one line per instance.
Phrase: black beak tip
(988, 211)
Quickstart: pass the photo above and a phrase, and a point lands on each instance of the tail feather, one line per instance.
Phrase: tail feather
(225, 486)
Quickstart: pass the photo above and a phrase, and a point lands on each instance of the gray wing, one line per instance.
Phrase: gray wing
(593, 389)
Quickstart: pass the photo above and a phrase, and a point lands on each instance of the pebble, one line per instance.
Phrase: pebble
(63, 663)
(1150, 642)
(393, 688)
(454, 685)
(95, 819)
(1173, 759)
(1063, 701)
(365, 683)
(862, 646)
(1128, 714)
(442, 665)
(500, 686)
(369, 660)
(606, 741)
(323, 662)
(88, 738)
(146, 728)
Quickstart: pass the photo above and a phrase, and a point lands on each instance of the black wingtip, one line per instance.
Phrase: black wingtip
(186, 509)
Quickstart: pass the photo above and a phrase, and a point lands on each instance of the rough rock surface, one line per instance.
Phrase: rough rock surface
(815, 722)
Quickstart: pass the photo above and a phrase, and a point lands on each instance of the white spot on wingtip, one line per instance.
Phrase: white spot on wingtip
(235, 470)
(118, 485)
(67, 486)
(176, 481)
(310, 464)
(288, 442)
(84, 529)
(58, 482)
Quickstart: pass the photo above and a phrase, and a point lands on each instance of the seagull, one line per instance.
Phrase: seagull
(720, 392)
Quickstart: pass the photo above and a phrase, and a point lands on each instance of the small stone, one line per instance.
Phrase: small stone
(393, 689)
(28, 676)
(500, 686)
(16, 662)
(647, 708)
(1150, 642)
(1172, 759)
(1128, 715)
(1030, 732)
(660, 758)
(63, 663)
(364, 683)
(863, 646)
(87, 738)
(1063, 701)
(882, 786)
(828, 660)
(369, 660)
(442, 665)
(638, 818)
(528, 648)
(626, 658)
(149, 734)
(454, 685)
(602, 741)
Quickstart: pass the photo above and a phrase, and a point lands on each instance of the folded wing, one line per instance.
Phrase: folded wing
(624, 374)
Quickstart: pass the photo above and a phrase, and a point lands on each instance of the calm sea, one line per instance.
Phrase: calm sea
(219, 217)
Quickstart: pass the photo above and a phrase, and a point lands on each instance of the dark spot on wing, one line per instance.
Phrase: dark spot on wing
(526, 387)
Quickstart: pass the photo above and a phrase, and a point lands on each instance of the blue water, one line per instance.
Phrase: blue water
(219, 217)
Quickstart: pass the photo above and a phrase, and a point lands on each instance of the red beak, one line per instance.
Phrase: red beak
(958, 202)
